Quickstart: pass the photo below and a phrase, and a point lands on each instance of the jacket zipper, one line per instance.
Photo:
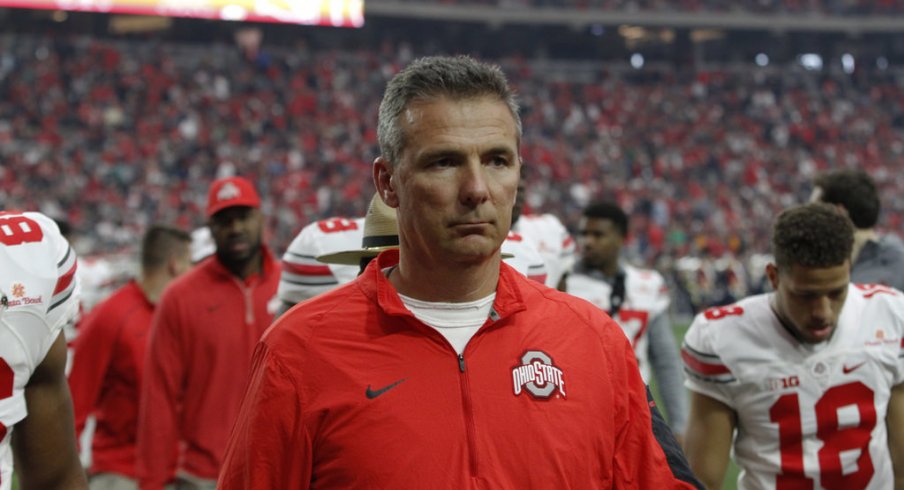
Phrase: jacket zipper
(469, 416)
(248, 294)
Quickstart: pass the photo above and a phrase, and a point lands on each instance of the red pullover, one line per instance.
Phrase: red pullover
(197, 365)
(107, 368)
(350, 390)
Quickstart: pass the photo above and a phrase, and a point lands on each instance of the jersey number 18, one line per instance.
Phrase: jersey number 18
(786, 413)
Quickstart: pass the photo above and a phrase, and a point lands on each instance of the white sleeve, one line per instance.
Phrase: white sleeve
(64, 301)
(662, 300)
(303, 277)
(704, 370)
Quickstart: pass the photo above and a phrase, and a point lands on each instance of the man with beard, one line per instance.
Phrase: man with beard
(202, 337)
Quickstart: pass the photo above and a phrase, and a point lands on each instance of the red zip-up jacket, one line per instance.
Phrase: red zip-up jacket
(349, 390)
(106, 374)
(197, 366)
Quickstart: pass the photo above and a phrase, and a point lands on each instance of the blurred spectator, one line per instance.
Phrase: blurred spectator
(109, 358)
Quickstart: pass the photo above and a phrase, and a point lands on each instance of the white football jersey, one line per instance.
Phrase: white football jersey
(646, 297)
(809, 415)
(303, 277)
(38, 296)
(549, 237)
(525, 258)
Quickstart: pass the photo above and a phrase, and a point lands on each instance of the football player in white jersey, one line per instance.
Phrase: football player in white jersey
(303, 277)
(806, 383)
(38, 296)
(546, 235)
(637, 299)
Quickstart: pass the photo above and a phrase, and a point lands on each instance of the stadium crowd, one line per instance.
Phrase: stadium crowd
(114, 135)
(822, 7)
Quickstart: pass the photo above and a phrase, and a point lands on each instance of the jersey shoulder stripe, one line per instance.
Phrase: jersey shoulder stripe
(306, 269)
(707, 367)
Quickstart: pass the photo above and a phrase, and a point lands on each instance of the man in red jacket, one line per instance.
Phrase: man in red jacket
(440, 366)
(109, 358)
(203, 335)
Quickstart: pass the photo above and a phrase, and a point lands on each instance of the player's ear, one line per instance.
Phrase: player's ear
(772, 275)
(383, 181)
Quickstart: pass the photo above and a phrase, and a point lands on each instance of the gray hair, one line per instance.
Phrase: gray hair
(434, 77)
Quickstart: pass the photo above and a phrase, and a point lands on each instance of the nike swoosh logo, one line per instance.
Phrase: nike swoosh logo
(371, 393)
(848, 370)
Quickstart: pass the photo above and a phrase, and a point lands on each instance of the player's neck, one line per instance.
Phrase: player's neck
(245, 268)
(861, 236)
(448, 282)
(609, 269)
(152, 285)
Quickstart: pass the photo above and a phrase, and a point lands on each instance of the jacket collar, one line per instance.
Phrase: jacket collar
(376, 286)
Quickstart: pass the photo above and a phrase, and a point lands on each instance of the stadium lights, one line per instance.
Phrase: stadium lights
(637, 60)
(847, 63)
(762, 59)
(811, 61)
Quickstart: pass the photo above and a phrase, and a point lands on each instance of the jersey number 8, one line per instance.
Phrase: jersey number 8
(16, 230)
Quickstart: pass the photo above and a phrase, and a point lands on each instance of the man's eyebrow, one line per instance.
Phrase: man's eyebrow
(439, 152)
(456, 153)
(500, 150)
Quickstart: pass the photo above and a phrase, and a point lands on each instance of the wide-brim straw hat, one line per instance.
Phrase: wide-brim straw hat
(381, 232)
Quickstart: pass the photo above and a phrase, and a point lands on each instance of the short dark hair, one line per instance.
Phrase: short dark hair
(160, 244)
(435, 77)
(610, 211)
(855, 191)
(812, 235)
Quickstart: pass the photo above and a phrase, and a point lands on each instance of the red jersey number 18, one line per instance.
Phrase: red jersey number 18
(786, 413)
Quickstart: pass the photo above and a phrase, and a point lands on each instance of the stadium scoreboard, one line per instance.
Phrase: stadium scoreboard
(338, 13)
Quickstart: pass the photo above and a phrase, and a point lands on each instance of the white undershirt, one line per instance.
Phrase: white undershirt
(457, 322)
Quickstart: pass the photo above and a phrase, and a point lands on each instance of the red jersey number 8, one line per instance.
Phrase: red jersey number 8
(336, 225)
(16, 230)
(722, 312)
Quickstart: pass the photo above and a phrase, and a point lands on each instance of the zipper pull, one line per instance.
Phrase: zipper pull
(461, 362)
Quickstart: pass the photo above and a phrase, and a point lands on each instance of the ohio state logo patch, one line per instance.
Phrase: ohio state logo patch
(538, 376)
(228, 191)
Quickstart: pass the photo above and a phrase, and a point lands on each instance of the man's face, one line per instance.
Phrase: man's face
(456, 179)
(600, 242)
(810, 299)
(237, 233)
